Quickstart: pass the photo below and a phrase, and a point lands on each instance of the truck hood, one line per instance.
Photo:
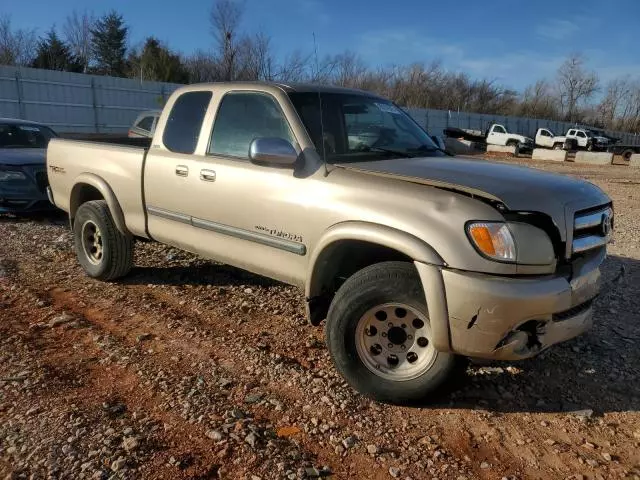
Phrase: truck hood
(518, 188)
(22, 156)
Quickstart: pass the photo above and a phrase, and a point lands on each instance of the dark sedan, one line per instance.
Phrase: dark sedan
(23, 170)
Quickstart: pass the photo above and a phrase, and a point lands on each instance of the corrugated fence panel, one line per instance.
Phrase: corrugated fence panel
(74, 102)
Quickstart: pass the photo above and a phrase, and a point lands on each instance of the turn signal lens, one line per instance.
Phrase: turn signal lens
(494, 240)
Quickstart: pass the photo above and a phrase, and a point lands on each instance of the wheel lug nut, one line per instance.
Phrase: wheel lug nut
(391, 345)
(409, 337)
(390, 324)
(403, 326)
(402, 347)
(384, 334)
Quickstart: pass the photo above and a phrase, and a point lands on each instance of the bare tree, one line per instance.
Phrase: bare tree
(619, 92)
(77, 34)
(538, 101)
(576, 85)
(225, 19)
(17, 47)
(203, 67)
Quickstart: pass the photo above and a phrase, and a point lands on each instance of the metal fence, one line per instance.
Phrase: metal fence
(75, 102)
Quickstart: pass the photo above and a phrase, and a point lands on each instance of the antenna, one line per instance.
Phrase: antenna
(324, 152)
(315, 50)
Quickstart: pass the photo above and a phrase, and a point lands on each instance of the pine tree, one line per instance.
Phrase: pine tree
(54, 54)
(156, 62)
(109, 44)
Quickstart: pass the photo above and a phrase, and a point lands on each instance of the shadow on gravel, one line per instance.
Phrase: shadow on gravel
(202, 273)
(592, 374)
(57, 217)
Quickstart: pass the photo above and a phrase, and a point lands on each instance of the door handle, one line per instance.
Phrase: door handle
(208, 175)
(182, 170)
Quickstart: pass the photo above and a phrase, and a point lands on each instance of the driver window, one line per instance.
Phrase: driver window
(581, 134)
(499, 129)
(241, 118)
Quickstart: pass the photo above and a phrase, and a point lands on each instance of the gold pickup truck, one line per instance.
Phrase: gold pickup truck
(414, 258)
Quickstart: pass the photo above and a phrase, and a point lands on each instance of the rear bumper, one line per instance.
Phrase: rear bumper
(505, 318)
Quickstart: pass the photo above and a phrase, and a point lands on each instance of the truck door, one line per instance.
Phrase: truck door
(582, 138)
(172, 171)
(242, 213)
(497, 135)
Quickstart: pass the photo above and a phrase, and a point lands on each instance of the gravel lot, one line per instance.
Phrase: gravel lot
(189, 369)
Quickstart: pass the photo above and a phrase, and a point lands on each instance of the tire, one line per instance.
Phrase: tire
(557, 146)
(512, 143)
(589, 147)
(626, 155)
(103, 251)
(386, 287)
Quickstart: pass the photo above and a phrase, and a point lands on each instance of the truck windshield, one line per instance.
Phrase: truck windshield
(360, 128)
(24, 135)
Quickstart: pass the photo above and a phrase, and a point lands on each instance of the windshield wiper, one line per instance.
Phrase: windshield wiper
(435, 148)
(390, 151)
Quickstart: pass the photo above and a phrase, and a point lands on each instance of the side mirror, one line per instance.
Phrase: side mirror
(439, 141)
(272, 151)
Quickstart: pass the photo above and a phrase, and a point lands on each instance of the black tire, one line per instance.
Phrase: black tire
(626, 155)
(512, 143)
(379, 284)
(116, 256)
(590, 147)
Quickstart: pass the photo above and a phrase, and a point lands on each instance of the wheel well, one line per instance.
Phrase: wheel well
(82, 193)
(336, 264)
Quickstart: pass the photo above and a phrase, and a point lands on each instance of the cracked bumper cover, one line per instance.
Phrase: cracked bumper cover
(511, 318)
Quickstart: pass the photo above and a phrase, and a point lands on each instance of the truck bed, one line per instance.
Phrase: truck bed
(114, 167)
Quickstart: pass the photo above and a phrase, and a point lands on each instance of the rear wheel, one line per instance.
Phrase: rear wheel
(103, 251)
(379, 335)
(557, 146)
(627, 155)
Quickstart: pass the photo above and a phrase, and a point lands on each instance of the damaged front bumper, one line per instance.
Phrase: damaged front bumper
(512, 318)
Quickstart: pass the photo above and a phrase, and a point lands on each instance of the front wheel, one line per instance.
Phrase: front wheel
(103, 251)
(379, 335)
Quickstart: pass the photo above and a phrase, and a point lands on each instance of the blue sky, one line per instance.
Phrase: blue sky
(514, 42)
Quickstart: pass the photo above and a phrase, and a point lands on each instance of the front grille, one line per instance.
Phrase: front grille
(572, 312)
(592, 229)
(42, 181)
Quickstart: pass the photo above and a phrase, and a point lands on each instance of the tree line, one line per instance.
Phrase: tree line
(101, 46)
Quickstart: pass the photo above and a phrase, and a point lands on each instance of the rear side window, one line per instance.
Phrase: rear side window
(243, 117)
(145, 124)
(571, 132)
(544, 133)
(185, 121)
(498, 129)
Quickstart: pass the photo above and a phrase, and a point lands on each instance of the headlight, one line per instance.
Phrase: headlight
(6, 176)
(493, 240)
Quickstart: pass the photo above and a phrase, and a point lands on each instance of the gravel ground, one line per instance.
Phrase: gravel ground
(190, 369)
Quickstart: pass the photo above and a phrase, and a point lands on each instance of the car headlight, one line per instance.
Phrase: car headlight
(493, 240)
(7, 176)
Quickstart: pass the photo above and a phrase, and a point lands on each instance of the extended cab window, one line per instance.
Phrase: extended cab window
(145, 124)
(185, 121)
(571, 132)
(498, 129)
(243, 117)
(544, 133)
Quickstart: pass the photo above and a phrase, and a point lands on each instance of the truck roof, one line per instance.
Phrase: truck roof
(286, 86)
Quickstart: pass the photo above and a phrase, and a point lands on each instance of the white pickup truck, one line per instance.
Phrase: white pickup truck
(497, 135)
(547, 139)
(587, 139)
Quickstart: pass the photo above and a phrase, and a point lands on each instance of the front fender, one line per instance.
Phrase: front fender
(426, 259)
(105, 190)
